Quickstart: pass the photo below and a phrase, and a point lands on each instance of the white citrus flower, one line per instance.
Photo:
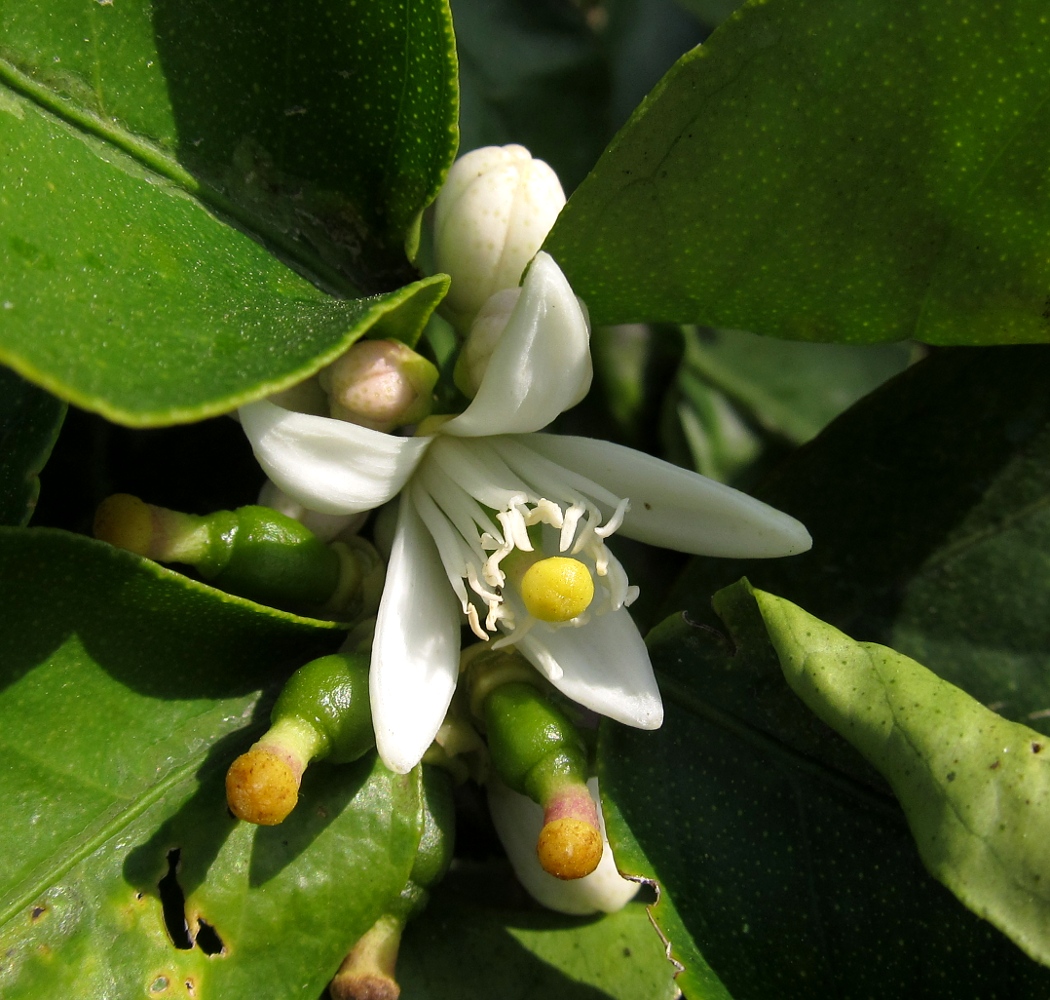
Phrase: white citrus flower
(485, 493)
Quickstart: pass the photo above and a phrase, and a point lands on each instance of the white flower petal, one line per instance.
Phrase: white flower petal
(602, 665)
(415, 653)
(677, 509)
(329, 465)
(541, 365)
(518, 821)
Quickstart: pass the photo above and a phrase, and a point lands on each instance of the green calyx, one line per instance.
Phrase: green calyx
(330, 695)
(535, 748)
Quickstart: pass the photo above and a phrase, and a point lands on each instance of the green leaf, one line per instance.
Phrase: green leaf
(330, 128)
(530, 955)
(111, 312)
(787, 859)
(711, 11)
(695, 978)
(929, 506)
(973, 785)
(844, 171)
(30, 420)
(126, 692)
(149, 129)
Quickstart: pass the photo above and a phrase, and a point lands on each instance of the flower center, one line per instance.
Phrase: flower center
(556, 589)
(487, 502)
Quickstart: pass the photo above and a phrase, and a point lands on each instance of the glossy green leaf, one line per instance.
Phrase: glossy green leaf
(711, 11)
(787, 859)
(148, 130)
(694, 977)
(30, 420)
(842, 171)
(126, 690)
(974, 786)
(325, 128)
(928, 506)
(146, 307)
(530, 955)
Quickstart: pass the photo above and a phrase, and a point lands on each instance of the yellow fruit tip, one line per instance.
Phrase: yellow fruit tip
(126, 522)
(261, 787)
(569, 848)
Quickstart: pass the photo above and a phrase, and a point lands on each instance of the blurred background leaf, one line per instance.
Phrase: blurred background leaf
(927, 503)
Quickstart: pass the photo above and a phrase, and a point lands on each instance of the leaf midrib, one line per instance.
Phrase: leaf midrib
(136, 807)
(167, 166)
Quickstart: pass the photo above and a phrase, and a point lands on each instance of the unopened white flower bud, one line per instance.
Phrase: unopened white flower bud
(491, 218)
(381, 384)
(484, 334)
(518, 821)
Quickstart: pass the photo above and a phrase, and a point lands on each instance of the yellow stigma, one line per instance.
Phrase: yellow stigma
(261, 787)
(557, 589)
(569, 848)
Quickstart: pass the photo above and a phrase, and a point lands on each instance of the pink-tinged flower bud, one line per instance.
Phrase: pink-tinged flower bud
(491, 218)
(381, 384)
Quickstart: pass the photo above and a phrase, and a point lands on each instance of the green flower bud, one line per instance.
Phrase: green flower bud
(381, 384)
(322, 712)
(491, 218)
(327, 527)
(534, 746)
(255, 552)
(537, 752)
(330, 694)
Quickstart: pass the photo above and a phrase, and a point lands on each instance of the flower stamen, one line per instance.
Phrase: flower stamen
(465, 488)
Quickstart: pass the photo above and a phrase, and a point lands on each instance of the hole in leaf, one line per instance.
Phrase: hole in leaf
(208, 939)
(173, 903)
